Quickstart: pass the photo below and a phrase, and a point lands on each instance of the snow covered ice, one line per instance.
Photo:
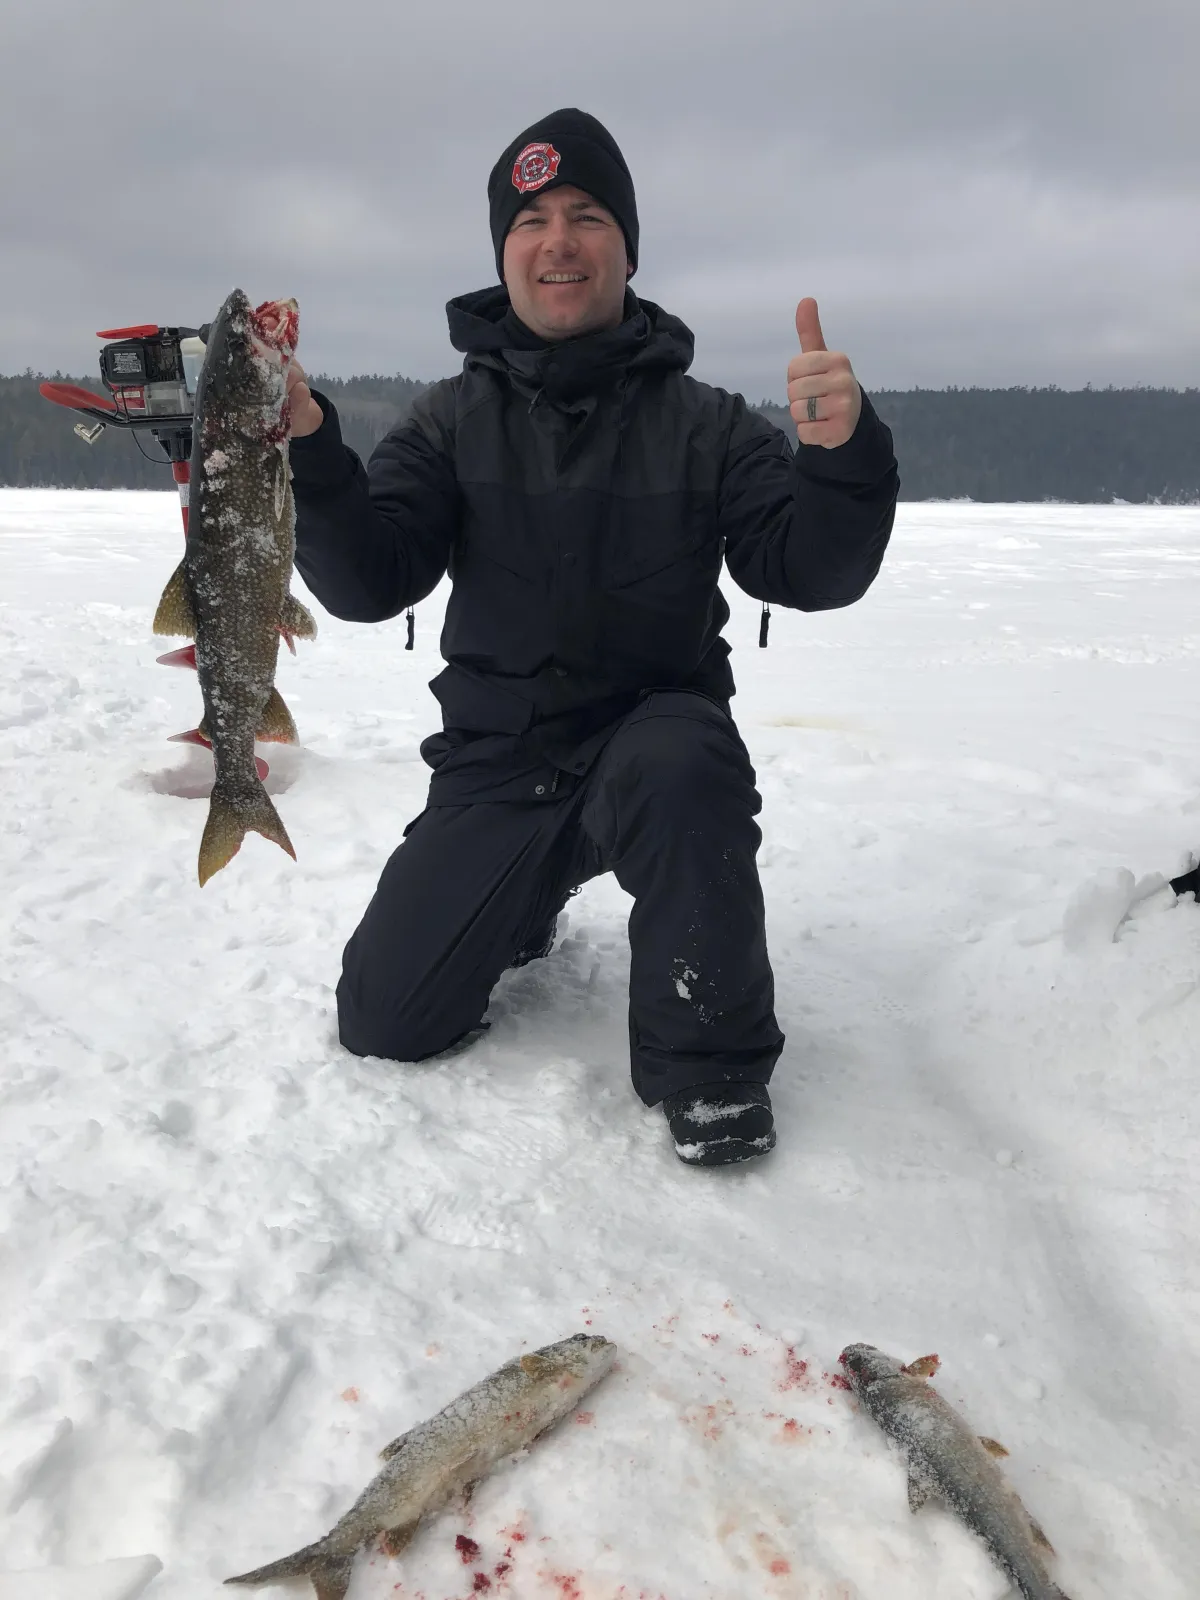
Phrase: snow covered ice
(237, 1261)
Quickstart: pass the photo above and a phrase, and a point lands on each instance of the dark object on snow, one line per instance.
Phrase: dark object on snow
(669, 808)
(1189, 883)
(720, 1123)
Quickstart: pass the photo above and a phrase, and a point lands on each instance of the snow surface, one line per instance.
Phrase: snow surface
(237, 1260)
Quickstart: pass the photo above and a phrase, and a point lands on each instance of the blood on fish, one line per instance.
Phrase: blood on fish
(467, 1549)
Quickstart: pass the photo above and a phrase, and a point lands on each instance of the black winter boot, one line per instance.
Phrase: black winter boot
(719, 1123)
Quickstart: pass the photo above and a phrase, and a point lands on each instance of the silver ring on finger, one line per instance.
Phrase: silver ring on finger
(812, 408)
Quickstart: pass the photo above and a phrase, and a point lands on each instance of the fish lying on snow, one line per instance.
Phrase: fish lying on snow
(230, 591)
(427, 1466)
(946, 1461)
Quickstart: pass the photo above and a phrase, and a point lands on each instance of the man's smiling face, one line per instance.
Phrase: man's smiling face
(565, 265)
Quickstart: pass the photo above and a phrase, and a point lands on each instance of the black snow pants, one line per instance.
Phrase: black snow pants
(669, 809)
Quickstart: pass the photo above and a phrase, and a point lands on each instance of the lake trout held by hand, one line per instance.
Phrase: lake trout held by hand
(230, 592)
(950, 1463)
(433, 1462)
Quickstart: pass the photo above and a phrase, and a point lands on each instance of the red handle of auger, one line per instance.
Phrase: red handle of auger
(181, 471)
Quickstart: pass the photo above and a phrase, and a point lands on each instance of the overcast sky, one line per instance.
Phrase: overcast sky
(976, 191)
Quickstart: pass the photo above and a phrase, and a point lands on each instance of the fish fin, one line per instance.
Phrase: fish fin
(330, 1574)
(297, 619)
(535, 1366)
(993, 1446)
(920, 1489)
(395, 1541)
(922, 1367)
(175, 615)
(1039, 1537)
(276, 724)
(232, 814)
(281, 481)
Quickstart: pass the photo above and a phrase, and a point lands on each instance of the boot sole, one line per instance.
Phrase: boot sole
(725, 1152)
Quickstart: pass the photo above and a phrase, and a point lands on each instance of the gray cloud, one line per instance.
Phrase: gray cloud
(975, 193)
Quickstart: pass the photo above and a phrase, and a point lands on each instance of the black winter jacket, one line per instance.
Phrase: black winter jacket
(582, 497)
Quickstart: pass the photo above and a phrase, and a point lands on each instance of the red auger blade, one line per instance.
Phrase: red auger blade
(179, 658)
(144, 330)
(75, 397)
(194, 736)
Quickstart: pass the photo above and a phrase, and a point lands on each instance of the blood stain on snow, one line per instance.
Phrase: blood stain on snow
(567, 1585)
(780, 1567)
(351, 1395)
(503, 1568)
(481, 1583)
(745, 1350)
(835, 1380)
(710, 1420)
(711, 1338)
(795, 1371)
(585, 1418)
(468, 1550)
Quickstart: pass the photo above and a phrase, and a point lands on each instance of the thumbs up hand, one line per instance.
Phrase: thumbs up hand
(823, 393)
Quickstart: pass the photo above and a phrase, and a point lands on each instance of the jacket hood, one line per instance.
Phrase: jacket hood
(485, 328)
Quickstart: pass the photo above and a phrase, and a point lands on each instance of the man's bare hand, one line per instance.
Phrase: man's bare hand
(824, 376)
(307, 415)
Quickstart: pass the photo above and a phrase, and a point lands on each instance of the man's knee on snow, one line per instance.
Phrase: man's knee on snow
(394, 1032)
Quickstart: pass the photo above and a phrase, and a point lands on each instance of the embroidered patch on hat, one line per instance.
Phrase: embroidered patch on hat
(534, 167)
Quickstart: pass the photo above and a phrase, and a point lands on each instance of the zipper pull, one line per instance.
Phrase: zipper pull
(764, 624)
(412, 627)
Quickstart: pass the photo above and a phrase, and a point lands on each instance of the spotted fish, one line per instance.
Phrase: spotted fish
(947, 1462)
(230, 592)
(429, 1465)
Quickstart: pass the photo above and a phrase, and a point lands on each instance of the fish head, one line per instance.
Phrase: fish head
(246, 358)
(865, 1365)
(577, 1362)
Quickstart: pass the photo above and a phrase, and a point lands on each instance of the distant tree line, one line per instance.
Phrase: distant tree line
(1084, 445)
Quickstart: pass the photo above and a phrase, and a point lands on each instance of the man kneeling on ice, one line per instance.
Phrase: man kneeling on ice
(582, 492)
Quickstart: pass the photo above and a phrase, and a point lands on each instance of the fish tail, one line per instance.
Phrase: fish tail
(233, 812)
(329, 1570)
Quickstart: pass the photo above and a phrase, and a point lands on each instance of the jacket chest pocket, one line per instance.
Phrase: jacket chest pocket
(665, 542)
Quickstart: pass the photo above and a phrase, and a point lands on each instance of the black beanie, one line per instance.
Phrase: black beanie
(568, 146)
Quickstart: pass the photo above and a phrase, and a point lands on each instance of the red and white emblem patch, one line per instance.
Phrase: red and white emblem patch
(535, 167)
